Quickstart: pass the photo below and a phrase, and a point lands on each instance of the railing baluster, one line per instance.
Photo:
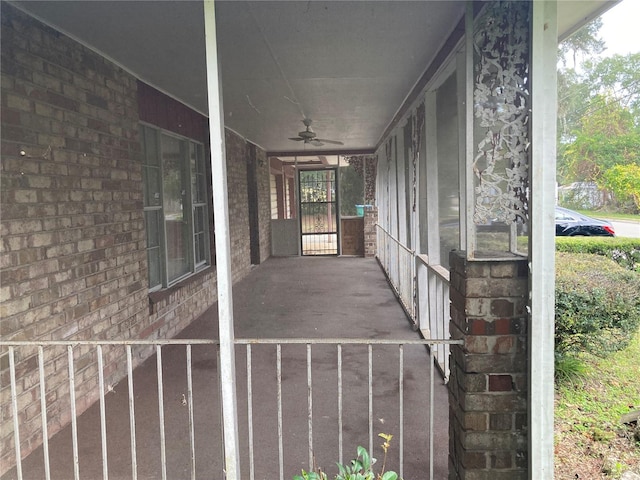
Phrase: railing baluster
(370, 351)
(74, 421)
(14, 406)
(160, 381)
(431, 409)
(192, 439)
(132, 415)
(310, 406)
(103, 417)
(250, 413)
(446, 334)
(43, 414)
(222, 447)
(279, 381)
(401, 406)
(340, 404)
(100, 356)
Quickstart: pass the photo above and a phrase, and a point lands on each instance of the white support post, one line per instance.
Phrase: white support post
(433, 202)
(467, 196)
(544, 45)
(223, 249)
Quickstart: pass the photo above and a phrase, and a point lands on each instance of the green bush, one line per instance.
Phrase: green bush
(597, 304)
(624, 251)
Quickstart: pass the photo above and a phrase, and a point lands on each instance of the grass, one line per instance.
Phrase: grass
(590, 441)
(610, 215)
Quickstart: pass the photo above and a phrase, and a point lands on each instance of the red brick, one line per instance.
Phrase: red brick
(477, 326)
(500, 383)
(502, 326)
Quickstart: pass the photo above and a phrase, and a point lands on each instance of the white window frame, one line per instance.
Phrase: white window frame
(194, 264)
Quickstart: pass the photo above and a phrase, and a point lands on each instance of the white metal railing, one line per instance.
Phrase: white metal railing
(432, 305)
(341, 353)
(47, 356)
(399, 264)
(422, 288)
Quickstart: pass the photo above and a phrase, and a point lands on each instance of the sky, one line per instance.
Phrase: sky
(620, 28)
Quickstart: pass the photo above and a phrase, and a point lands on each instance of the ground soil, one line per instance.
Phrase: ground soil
(580, 456)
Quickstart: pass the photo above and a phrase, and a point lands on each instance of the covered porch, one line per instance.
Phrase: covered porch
(309, 299)
(123, 141)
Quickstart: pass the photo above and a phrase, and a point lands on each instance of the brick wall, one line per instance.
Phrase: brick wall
(264, 204)
(237, 153)
(487, 387)
(72, 257)
(370, 232)
(73, 261)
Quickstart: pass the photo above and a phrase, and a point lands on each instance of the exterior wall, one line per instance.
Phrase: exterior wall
(487, 388)
(237, 153)
(370, 233)
(73, 262)
(264, 204)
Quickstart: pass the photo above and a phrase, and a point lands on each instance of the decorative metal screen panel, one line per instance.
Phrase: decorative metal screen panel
(318, 212)
(501, 108)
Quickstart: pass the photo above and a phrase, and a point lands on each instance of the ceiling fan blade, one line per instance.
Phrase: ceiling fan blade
(334, 142)
(296, 139)
(316, 143)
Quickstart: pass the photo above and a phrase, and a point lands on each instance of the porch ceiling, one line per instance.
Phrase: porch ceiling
(348, 65)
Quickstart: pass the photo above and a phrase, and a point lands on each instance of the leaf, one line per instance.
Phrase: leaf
(366, 460)
(390, 476)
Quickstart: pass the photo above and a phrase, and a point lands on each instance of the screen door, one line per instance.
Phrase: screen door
(318, 212)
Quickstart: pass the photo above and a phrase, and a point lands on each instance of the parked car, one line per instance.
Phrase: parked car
(570, 223)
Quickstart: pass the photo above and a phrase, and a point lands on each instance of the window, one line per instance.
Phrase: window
(175, 207)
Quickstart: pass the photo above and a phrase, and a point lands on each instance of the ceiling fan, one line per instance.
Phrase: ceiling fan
(309, 136)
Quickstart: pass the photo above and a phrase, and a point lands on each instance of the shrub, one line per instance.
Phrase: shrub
(624, 251)
(597, 304)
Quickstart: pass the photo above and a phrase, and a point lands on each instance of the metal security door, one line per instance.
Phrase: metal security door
(318, 212)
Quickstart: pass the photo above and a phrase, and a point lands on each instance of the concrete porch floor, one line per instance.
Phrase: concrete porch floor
(294, 297)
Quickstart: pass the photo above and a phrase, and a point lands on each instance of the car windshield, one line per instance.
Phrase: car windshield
(560, 215)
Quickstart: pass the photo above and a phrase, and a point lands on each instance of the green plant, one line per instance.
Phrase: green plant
(569, 369)
(360, 468)
(624, 251)
(597, 306)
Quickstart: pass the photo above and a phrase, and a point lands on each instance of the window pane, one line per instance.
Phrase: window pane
(154, 259)
(154, 252)
(200, 234)
(174, 203)
(448, 183)
(198, 190)
(153, 228)
(151, 184)
(151, 146)
(351, 189)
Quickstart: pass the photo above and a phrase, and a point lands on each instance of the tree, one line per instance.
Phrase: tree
(584, 42)
(624, 182)
(618, 75)
(607, 144)
(598, 115)
(573, 92)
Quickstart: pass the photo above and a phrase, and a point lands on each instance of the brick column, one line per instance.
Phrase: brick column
(370, 234)
(487, 386)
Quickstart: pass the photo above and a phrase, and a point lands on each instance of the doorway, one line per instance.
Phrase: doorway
(319, 224)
